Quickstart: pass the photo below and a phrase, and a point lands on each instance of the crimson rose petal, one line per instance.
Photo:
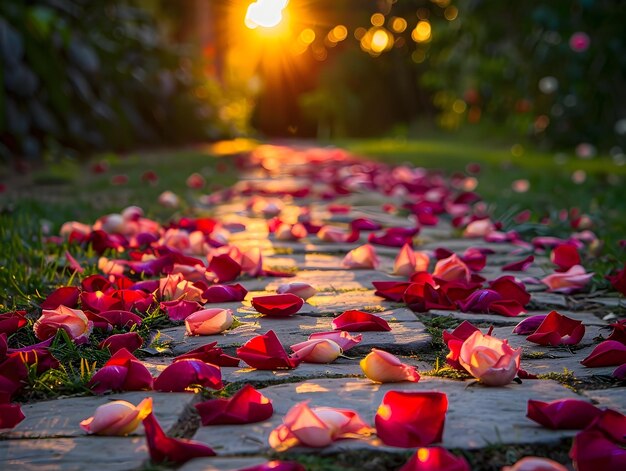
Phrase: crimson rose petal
(520, 265)
(435, 459)
(131, 341)
(607, 353)
(173, 450)
(247, 406)
(225, 268)
(66, 296)
(123, 372)
(209, 353)
(562, 414)
(265, 352)
(278, 305)
(557, 329)
(121, 319)
(224, 293)
(529, 325)
(10, 415)
(411, 419)
(180, 375)
(358, 321)
(277, 466)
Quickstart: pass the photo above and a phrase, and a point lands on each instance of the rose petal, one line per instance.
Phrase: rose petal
(131, 341)
(209, 353)
(358, 321)
(173, 450)
(529, 325)
(208, 321)
(247, 406)
(66, 296)
(183, 374)
(435, 459)
(341, 338)
(278, 305)
(383, 367)
(411, 419)
(520, 265)
(317, 351)
(607, 353)
(562, 414)
(224, 293)
(265, 352)
(557, 329)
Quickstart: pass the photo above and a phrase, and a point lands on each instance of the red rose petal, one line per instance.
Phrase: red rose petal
(173, 450)
(180, 309)
(557, 329)
(435, 459)
(510, 289)
(520, 265)
(391, 290)
(10, 322)
(563, 414)
(209, 353)
(411, 419)
(358, 321)
(10, 415)
(247, 406)
(131, 341)
(607, 353)
(182, 374)
(123, 372)
(66, 296)
(265, 352)
(121, 319)
(565, 256)
(278, 305)
(225, 293)
(225, 268)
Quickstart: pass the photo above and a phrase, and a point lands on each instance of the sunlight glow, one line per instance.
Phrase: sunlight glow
(265, 13)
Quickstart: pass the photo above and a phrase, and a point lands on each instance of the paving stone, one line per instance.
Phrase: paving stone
(613, 398)
(318, 261)
(74, 454)
(550, 300)
(60, 417)
(324, 280)
(477, 416)
(561, 360)
(221, 464)
(408, 336)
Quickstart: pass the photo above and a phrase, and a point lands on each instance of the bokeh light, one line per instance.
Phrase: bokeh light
(422, 32)
(377, 19)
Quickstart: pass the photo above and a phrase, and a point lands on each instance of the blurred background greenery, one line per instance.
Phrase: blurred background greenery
(79, 76)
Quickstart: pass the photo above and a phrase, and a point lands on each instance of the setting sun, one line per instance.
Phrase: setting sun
(265, 13)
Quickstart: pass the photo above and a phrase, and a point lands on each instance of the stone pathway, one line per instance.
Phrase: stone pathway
(478, 416)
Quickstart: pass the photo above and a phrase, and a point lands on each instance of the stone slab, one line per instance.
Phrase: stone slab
(221, 464)
(404, 336)
(60, 417)
(74, 454)
(323, 280)
(613, 398)
(477, 416)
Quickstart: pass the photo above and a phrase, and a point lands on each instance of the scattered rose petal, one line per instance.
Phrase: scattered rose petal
(411, 419)
(408, 261)
(173, 450)
(361, 257)
(607, 353)
(131, 341)
(209, 353)
(265, 352)
(490, 360)
(317, 351)
(11, 322)
(73, 321)
(383, 367)
(557, 329)
(117, 418)
(208, 321)
(122, 372)
(568, 282)
(180, 309)
(618, 281)
(303, 290)
(245, 407)
(563, 414)
(529, 325)
(224, 293)
(341, 338)
(534, 463)
(66, 296)
(317, 427)
(10, 415)
(278, 305)
(520, 265)
(451, 269)
(225, 268)
(358, 321)
(184, 374)
(435, 459)
(565, 256)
